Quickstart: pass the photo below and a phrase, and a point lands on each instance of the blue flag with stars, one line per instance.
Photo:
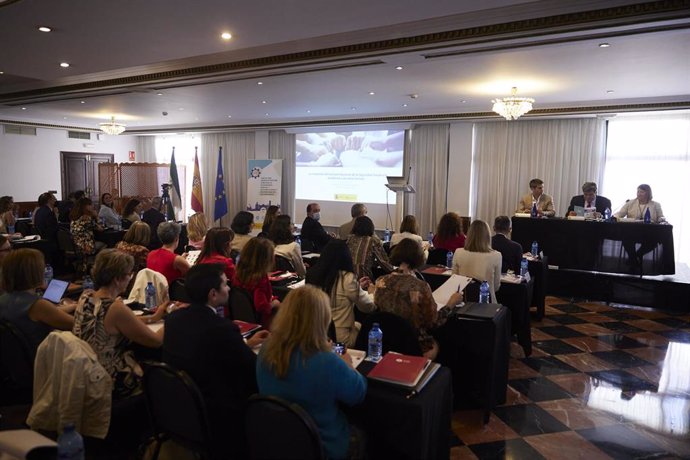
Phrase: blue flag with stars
(221, 202)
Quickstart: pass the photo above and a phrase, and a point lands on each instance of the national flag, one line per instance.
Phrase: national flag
(175, 196)
(197, 196)
(221, 201)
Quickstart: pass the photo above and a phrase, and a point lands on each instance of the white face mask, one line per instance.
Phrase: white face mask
(316, 216)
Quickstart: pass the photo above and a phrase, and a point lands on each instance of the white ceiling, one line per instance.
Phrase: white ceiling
(568, 70)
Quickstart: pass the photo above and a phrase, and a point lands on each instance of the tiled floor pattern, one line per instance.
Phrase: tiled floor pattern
(602, 382)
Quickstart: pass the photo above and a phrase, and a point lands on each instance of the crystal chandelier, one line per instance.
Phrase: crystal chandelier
(511, 108)
(112, 128)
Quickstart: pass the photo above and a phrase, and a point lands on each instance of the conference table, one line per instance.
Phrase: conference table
(516, 297)
(598, 245)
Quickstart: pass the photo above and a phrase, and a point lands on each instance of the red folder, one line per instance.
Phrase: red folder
(400, 369)
(434, 270)
(246, 328)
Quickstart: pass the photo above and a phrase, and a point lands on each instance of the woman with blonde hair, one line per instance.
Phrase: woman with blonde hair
(22, 273)
(251, 274)
(477, 259)
(135, 243)
(196, 230)
(296, 363)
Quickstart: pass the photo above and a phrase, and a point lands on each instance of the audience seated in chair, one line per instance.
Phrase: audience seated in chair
(281, 235)
(477, 260)
(107, 213)
(449, 233)
(164, 260)
(154, 218)
(313, 230)
(401, 335)
(132, 211)
(334, 274)
(271, 213)
(242, 224)
(216, 250)
(296, 364)
(511, 252)
(410, 229)
(135, 243)
(357, 209)
(33, 316)
(196, 230)
(256, 261)
(403, 294)
(107, 324)
(366, 250)
(83, 227)
(211, 350)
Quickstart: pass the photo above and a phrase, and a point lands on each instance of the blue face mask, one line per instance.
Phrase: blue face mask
(316, 216)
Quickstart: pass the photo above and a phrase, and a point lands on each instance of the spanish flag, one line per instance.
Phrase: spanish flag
(197, 196)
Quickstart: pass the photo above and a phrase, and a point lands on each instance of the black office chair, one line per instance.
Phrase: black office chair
(71, 252)
(294, 434)
(399, 335)
(177, 291)
(283, 264)
(177, 409)
(437, 256)
(241, 306)
(16, 366)
(308, 245)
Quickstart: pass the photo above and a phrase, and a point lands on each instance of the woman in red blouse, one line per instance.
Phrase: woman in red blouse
(449, 234)
(164, 260)
(256, 260)
(217, 249)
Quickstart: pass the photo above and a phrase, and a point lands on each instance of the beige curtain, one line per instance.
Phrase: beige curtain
(281, 146)
(428, 156)
(507, 155)
(238, 147)
(146, 149)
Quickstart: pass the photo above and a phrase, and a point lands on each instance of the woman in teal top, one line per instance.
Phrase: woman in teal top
(297, 364)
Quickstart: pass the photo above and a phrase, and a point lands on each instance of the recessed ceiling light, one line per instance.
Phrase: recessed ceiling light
(64, 118)
(23, 108)
(226, 35)
(259, 83)
(371, 93)
(45, 29)
(267, 114)
(229, 116)
(263, 102)
(353, 108)
(1, 72)
(82, 102)
(609, 91)
(604, 45)
(181, 108)
(159, 94)
(64, 64)
(399, 67)
(463, 102)
(404, 105)
(308, 111)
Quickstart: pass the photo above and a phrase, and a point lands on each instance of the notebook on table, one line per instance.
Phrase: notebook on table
(401, 370)
(56, 289)
(246, 328)
(479, 310)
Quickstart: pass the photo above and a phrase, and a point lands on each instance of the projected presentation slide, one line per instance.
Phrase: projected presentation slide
(348, 165)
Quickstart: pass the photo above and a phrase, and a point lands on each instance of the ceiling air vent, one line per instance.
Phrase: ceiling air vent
(79, 135)
(18, 129)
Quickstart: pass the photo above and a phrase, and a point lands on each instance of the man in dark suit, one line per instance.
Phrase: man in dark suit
(511, 252)
(589, 199)
(154, 218)
(312, 230)
(212, 351)
(46, 225)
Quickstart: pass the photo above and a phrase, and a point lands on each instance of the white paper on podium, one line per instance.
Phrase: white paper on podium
(455, 283)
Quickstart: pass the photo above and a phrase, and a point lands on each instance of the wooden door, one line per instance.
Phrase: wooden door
(80, 172)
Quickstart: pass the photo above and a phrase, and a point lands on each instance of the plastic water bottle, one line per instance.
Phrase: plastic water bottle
(524, 267)
(535, 249)
(534, 212)
(10, 229)
(48, 274)
(70, 445)
(647, 216)
(484, 295)
(298, 240)
(386, 235)
(88, 283)
(151, 297)
(607, 214)
(430, 239)
(375, 343)
(449, 259)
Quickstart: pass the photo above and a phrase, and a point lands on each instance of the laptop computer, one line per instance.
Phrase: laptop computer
(56, 289)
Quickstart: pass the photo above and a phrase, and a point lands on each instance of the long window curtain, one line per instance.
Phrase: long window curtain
(237, 149)
(652, 149)
(281, 146)
(507, 155)
(146, 149)
(428, 156)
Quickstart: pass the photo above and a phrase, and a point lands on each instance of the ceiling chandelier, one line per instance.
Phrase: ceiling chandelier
(511, 108)
(112, 128)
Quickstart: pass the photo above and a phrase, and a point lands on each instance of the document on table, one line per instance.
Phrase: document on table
(455, 283)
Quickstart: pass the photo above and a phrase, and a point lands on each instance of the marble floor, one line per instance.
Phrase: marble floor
(602, 382)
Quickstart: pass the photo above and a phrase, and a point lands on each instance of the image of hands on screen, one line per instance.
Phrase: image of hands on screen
(359, 149)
